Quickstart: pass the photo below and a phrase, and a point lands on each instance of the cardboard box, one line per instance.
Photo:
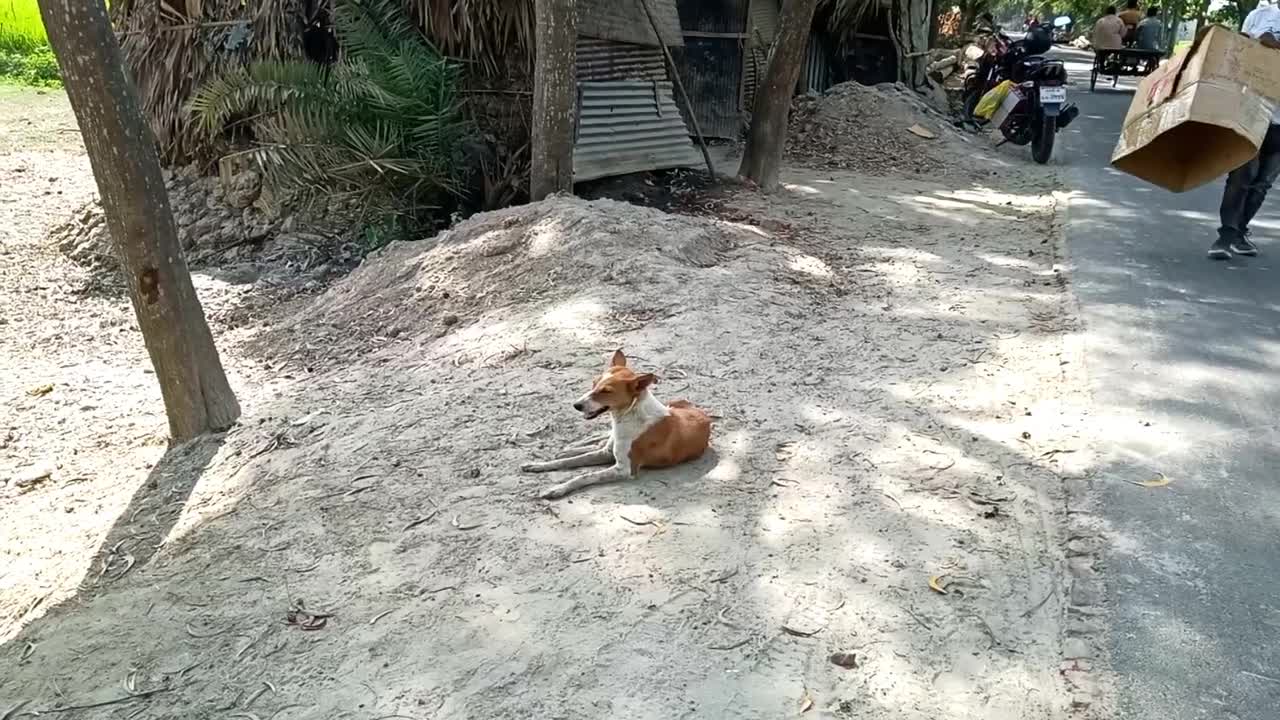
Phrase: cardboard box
(1202, 114)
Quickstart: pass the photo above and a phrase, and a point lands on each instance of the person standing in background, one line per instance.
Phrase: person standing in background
(1150, 33)
(1247, 186)
(1108, 32)
(1131, 15)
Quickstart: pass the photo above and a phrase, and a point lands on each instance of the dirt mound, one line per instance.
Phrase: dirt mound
(879, 130)
(230, 227)
(526, 256)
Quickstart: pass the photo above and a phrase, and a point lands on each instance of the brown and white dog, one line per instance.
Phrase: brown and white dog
(645, 433)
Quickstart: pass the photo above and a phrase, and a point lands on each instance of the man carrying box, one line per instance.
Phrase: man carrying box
(1247, 185)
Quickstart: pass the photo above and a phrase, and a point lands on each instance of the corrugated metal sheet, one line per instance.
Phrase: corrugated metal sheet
(815, 76)
(762, 23)
(626, 21)
(712, 75)
(629, 126)
(609, 60)
(762, 29)
(713, 16)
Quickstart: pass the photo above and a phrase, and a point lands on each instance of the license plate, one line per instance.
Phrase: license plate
(1053, 94)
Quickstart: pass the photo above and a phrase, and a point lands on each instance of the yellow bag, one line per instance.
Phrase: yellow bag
(990, 102)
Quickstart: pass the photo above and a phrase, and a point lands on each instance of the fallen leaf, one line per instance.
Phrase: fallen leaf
(806, 702)
(800, 633)
(459, 524)
(937, 583)
(920, 131)
(845, 660)
(41, 390)
(1160, 480)
(32, 476)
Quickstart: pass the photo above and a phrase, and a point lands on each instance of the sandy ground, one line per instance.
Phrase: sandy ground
(891, 368)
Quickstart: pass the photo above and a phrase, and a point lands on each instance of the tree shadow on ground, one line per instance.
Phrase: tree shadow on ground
(452, 592)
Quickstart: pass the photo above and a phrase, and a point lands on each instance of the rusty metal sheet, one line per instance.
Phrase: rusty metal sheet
(627, 126)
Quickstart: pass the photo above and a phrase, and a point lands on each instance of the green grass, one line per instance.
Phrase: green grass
(25, 56)
(21, 30)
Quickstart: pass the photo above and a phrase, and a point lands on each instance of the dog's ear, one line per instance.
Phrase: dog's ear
(642, 382)
(618, 359)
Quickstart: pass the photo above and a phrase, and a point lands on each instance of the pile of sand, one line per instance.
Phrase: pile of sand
(527, 256)
(233, 230)
(879, 130)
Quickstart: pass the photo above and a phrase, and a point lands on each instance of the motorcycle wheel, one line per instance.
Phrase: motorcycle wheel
(1042, 143)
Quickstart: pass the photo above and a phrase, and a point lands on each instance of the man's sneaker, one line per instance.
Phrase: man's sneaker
(1244, 246)
(1220, 250)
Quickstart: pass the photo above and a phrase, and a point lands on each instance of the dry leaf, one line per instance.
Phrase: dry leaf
(920, 131)
(459, 524)
(41, 390)
(845, 660)
(938, 584)
(1160, 480)
(806, 702)
(799, 632)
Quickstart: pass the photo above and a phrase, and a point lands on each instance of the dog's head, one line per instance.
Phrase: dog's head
(616, 390)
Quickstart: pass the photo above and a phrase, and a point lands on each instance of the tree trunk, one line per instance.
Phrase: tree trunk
(122, 153)
(909, 29)
(767, 138)
(554, 95)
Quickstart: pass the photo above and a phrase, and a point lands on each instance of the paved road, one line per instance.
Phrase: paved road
(1183, 354)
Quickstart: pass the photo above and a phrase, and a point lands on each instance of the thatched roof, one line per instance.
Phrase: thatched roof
(173, 48)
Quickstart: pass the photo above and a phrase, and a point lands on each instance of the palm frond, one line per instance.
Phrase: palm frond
(384, 122)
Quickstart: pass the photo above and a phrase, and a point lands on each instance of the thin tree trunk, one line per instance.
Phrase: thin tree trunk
(122, 152)
(767, 138)
(554, 95)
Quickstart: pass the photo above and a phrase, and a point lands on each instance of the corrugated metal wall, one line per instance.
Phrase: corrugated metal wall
(762, 29)
(815, 76)
(712, 75)
(609, 60)
(627, 126)
(715, 34)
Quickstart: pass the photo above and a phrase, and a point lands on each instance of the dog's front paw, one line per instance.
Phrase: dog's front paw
(554, 492)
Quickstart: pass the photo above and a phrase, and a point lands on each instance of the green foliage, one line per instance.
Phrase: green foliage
(382, 125)
(21, 30)
(38, 68)
(25, 56)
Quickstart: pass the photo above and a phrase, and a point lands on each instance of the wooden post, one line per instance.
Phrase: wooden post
(674, 73)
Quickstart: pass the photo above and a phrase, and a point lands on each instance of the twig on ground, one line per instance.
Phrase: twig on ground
(104, 703)
(726, 576)
(654, 523)
(419, 521)
(203, 636)
(734, 646)
(1032, 610)
(260, 692)
(923, 623)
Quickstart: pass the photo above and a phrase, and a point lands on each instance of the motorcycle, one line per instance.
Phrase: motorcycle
(1036, 107)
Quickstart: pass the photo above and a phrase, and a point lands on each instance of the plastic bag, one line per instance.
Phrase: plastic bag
(990, 102)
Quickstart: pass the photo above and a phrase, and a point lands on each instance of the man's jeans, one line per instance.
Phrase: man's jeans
(1247, 188)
